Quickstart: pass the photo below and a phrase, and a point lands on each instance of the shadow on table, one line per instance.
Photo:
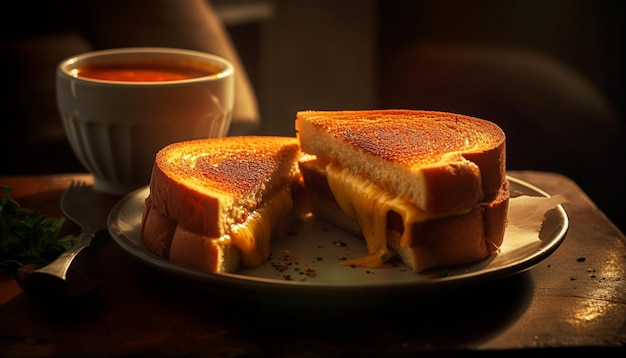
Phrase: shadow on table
(136, 309)
(450, 319)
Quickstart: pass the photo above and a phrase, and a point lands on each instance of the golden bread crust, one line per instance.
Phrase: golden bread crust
(452, 240)
(231, 165)
(205, 253)
(157, 230)
(409, 138)
(201, 189)
(459, 239)
(444, 172)
(441, 161)
(450, 167)
(207, 185)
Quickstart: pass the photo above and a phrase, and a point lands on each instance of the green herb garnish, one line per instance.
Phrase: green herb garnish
(26, 236)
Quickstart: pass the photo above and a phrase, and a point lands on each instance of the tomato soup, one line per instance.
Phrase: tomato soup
(145, 72)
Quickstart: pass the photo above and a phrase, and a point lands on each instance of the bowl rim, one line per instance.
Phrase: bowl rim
(65, 67)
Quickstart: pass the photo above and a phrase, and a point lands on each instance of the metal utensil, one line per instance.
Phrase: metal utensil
(89, 210)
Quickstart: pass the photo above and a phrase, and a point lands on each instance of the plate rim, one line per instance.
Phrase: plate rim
(239, 281)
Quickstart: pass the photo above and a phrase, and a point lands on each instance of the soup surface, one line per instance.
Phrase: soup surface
(144, 72)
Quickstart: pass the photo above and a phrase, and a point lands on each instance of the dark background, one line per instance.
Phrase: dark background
(549, 72)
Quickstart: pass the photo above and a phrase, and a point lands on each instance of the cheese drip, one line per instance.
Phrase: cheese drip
(252, 237)
(368, 205)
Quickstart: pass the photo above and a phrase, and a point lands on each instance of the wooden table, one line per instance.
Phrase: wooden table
(574, 300)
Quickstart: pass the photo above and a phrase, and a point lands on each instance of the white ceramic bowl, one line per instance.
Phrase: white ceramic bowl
(116, 128)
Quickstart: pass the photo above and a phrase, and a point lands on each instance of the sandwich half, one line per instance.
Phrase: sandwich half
(214, 203)
(426, 187)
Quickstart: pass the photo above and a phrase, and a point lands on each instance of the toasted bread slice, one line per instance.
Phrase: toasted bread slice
(214, 203)
(439, 161)
(428, 187)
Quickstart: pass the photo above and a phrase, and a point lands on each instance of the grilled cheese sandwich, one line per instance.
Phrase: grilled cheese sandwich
(215, 203)
(428, 188)
(409, 182)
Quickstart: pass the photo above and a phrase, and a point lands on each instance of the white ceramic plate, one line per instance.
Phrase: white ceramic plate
(313, 272)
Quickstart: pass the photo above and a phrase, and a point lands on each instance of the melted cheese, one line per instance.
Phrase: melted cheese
(368, 205)
(252, 237)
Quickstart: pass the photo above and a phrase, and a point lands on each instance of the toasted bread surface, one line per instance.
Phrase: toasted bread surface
(206, 197)
(457, 239)
(208, 185)
(445, 173)
(440, 161)
(450, 240)
(427, 187)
